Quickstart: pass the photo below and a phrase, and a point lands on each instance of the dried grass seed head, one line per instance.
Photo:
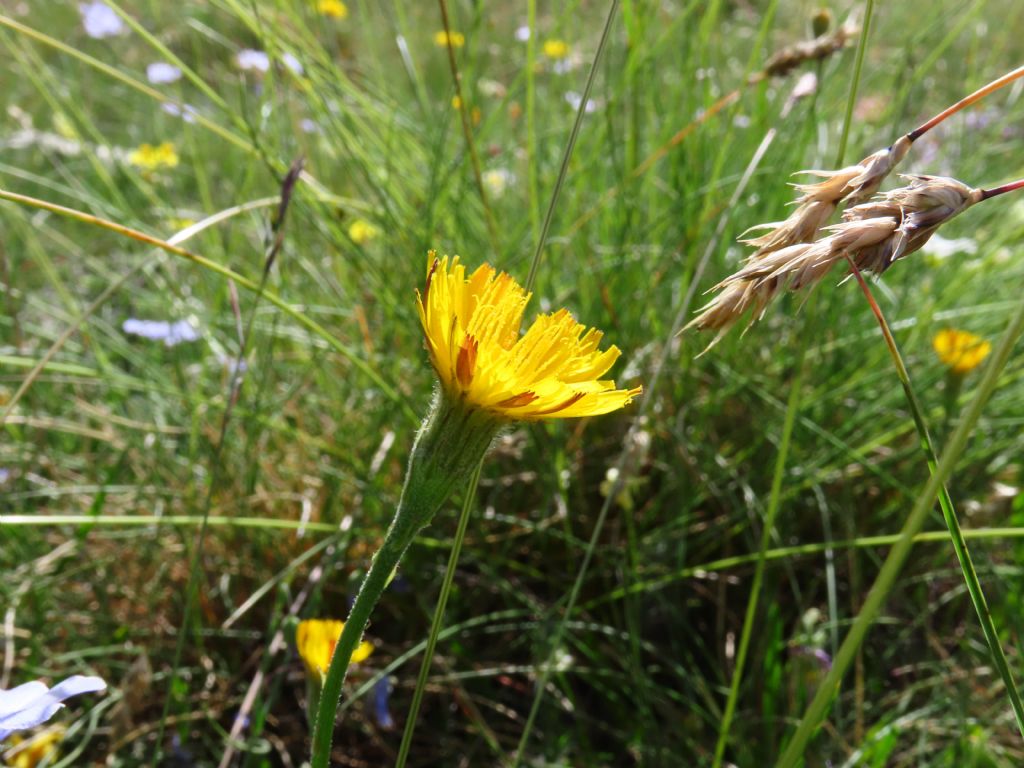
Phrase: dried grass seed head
(873, 234)
(820, 48)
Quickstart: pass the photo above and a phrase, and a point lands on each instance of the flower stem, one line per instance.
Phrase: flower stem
(449, 446)
(399, 536)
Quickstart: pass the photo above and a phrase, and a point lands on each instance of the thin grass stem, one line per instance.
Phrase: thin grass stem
(792, 408)
(438, 620)
(467, 130)
(897, 556)
(979, 94)
(577, 124)
(774, 502)
(869, 8)
(963, 555)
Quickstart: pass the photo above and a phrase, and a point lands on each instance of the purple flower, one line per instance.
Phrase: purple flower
(33, 703)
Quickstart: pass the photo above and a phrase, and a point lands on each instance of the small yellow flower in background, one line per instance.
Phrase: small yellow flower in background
(471, 323)
(150, 158)
(333, 8)
(960, 351)
(315, 640)
(474, 115)
(555, 49)
(179, 223)
(362, 231)
(30, 752)
(455, 39)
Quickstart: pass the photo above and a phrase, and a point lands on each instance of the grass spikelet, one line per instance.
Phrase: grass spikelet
(873, 234)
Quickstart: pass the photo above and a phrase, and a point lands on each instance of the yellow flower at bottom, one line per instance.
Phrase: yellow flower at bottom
(149, 158)
(28, 753)
(315, 640)
(960, 351)
(471, 323)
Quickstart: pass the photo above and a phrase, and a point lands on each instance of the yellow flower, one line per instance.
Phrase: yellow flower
(455, 39)
(29, 753)
(362, 231)
(556, 49)
(471, 324)
(960, 351)
(315, 640)
(333, 8)
(150, 158)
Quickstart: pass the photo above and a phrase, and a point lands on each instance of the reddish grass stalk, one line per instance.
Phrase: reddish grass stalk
(996, 191)
(979, 94)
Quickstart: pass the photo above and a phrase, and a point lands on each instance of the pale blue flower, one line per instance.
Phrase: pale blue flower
(249, 59)
(293, 64)
(33, 703)
(171, 334)
(100, 21)
(161, 72)
(187, 112)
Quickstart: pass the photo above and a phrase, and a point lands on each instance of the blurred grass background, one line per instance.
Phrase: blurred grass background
(118, 426)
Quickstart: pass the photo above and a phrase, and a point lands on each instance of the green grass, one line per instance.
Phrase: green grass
(116, 430)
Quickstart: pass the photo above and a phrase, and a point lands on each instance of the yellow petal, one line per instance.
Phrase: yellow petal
(471, 325)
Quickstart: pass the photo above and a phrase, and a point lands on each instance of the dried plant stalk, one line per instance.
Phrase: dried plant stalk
(820, 48)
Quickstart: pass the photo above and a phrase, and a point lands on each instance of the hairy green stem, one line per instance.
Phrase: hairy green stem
(449, 446)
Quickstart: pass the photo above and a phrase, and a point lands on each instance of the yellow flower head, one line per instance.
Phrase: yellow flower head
(28, 753)
(471, 324)
(556, 49)
(444, 39)
(150, 158)
(333, 8)
(960, 351)
(362, 231)
(315, 640)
